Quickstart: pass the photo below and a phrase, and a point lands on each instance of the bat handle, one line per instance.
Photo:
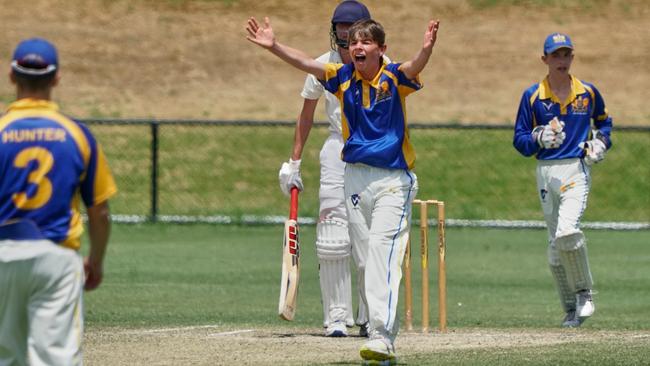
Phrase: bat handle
(293, 210)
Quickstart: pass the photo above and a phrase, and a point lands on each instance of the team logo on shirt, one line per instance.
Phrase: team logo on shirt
(383, 92)
(580, 105)
(355, 198)
(548, 105)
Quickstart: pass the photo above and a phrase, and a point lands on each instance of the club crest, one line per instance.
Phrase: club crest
(383, 92)
(580, 105)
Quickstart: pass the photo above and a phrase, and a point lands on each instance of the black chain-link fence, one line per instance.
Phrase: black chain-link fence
(226, 171)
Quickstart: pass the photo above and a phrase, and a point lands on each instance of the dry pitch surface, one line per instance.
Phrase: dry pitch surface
(214, 345)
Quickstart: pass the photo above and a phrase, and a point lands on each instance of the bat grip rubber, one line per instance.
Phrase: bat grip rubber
(293, 209)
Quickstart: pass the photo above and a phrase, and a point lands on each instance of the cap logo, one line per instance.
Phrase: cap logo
(559, 38)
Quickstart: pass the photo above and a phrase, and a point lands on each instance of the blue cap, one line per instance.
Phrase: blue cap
(555, 41)
(35, 57)
(350, 11)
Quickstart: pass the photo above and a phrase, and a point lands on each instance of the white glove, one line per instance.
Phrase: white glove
(551, 135)
(594, 151)
(289, 176)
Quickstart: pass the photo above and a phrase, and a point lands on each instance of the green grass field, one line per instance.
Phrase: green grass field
(189, 275)
(232, 170)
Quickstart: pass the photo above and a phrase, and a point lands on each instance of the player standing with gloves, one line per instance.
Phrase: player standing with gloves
(554, 122)
(332, 239)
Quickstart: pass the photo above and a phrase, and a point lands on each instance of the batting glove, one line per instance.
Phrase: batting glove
(289, 176)
(594, 151)
(551, 135)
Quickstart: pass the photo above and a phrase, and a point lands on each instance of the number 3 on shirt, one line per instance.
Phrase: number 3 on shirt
(37, 177)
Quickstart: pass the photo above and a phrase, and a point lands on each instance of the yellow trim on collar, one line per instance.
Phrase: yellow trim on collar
(545, 92)
(375, 81)
(30, 103)
(367, 84)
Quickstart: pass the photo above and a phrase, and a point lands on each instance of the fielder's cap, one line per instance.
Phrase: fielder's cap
(350, 11)
(35, 57)
(555, 41)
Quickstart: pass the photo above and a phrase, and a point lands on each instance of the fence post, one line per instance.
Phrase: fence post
(154, 171)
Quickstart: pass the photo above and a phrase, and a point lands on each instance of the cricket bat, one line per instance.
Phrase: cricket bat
(290, 262)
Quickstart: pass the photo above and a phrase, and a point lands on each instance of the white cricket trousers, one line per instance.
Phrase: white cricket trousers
(563, 188)
(379, 213)
(41, 317)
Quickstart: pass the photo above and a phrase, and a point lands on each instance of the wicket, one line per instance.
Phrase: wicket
(424, 249)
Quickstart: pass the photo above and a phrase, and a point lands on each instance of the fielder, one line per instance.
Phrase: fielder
(555, 123)
(49, 164)
(332, 239)
(379, 183)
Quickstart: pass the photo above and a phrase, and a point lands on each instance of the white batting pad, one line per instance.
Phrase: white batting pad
(333, 249)
(336, 291)
(572, 250)
(567, 296)
(332, 240)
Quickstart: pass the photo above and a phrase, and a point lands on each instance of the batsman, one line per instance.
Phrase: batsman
(332, 240)
(563, 121)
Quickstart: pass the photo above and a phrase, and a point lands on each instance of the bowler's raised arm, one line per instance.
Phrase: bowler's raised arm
(263, 36)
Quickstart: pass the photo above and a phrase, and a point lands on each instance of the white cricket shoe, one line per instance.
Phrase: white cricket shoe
(584, 305)
(378, 351)
(336, 329)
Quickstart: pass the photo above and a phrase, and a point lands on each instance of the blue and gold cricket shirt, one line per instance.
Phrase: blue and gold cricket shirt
(48, 164)
(374, 114)
(539, 105)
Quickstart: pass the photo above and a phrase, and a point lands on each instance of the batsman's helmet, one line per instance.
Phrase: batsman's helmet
(348, 11)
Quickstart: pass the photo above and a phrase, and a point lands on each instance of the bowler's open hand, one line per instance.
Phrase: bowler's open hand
(431, 34)
(261, 35)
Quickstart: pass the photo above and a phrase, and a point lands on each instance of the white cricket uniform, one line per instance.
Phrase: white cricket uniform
(563, 176)
(41, 284)
(333, 244)
(380, 217)
(564, 181)
(379, 182)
